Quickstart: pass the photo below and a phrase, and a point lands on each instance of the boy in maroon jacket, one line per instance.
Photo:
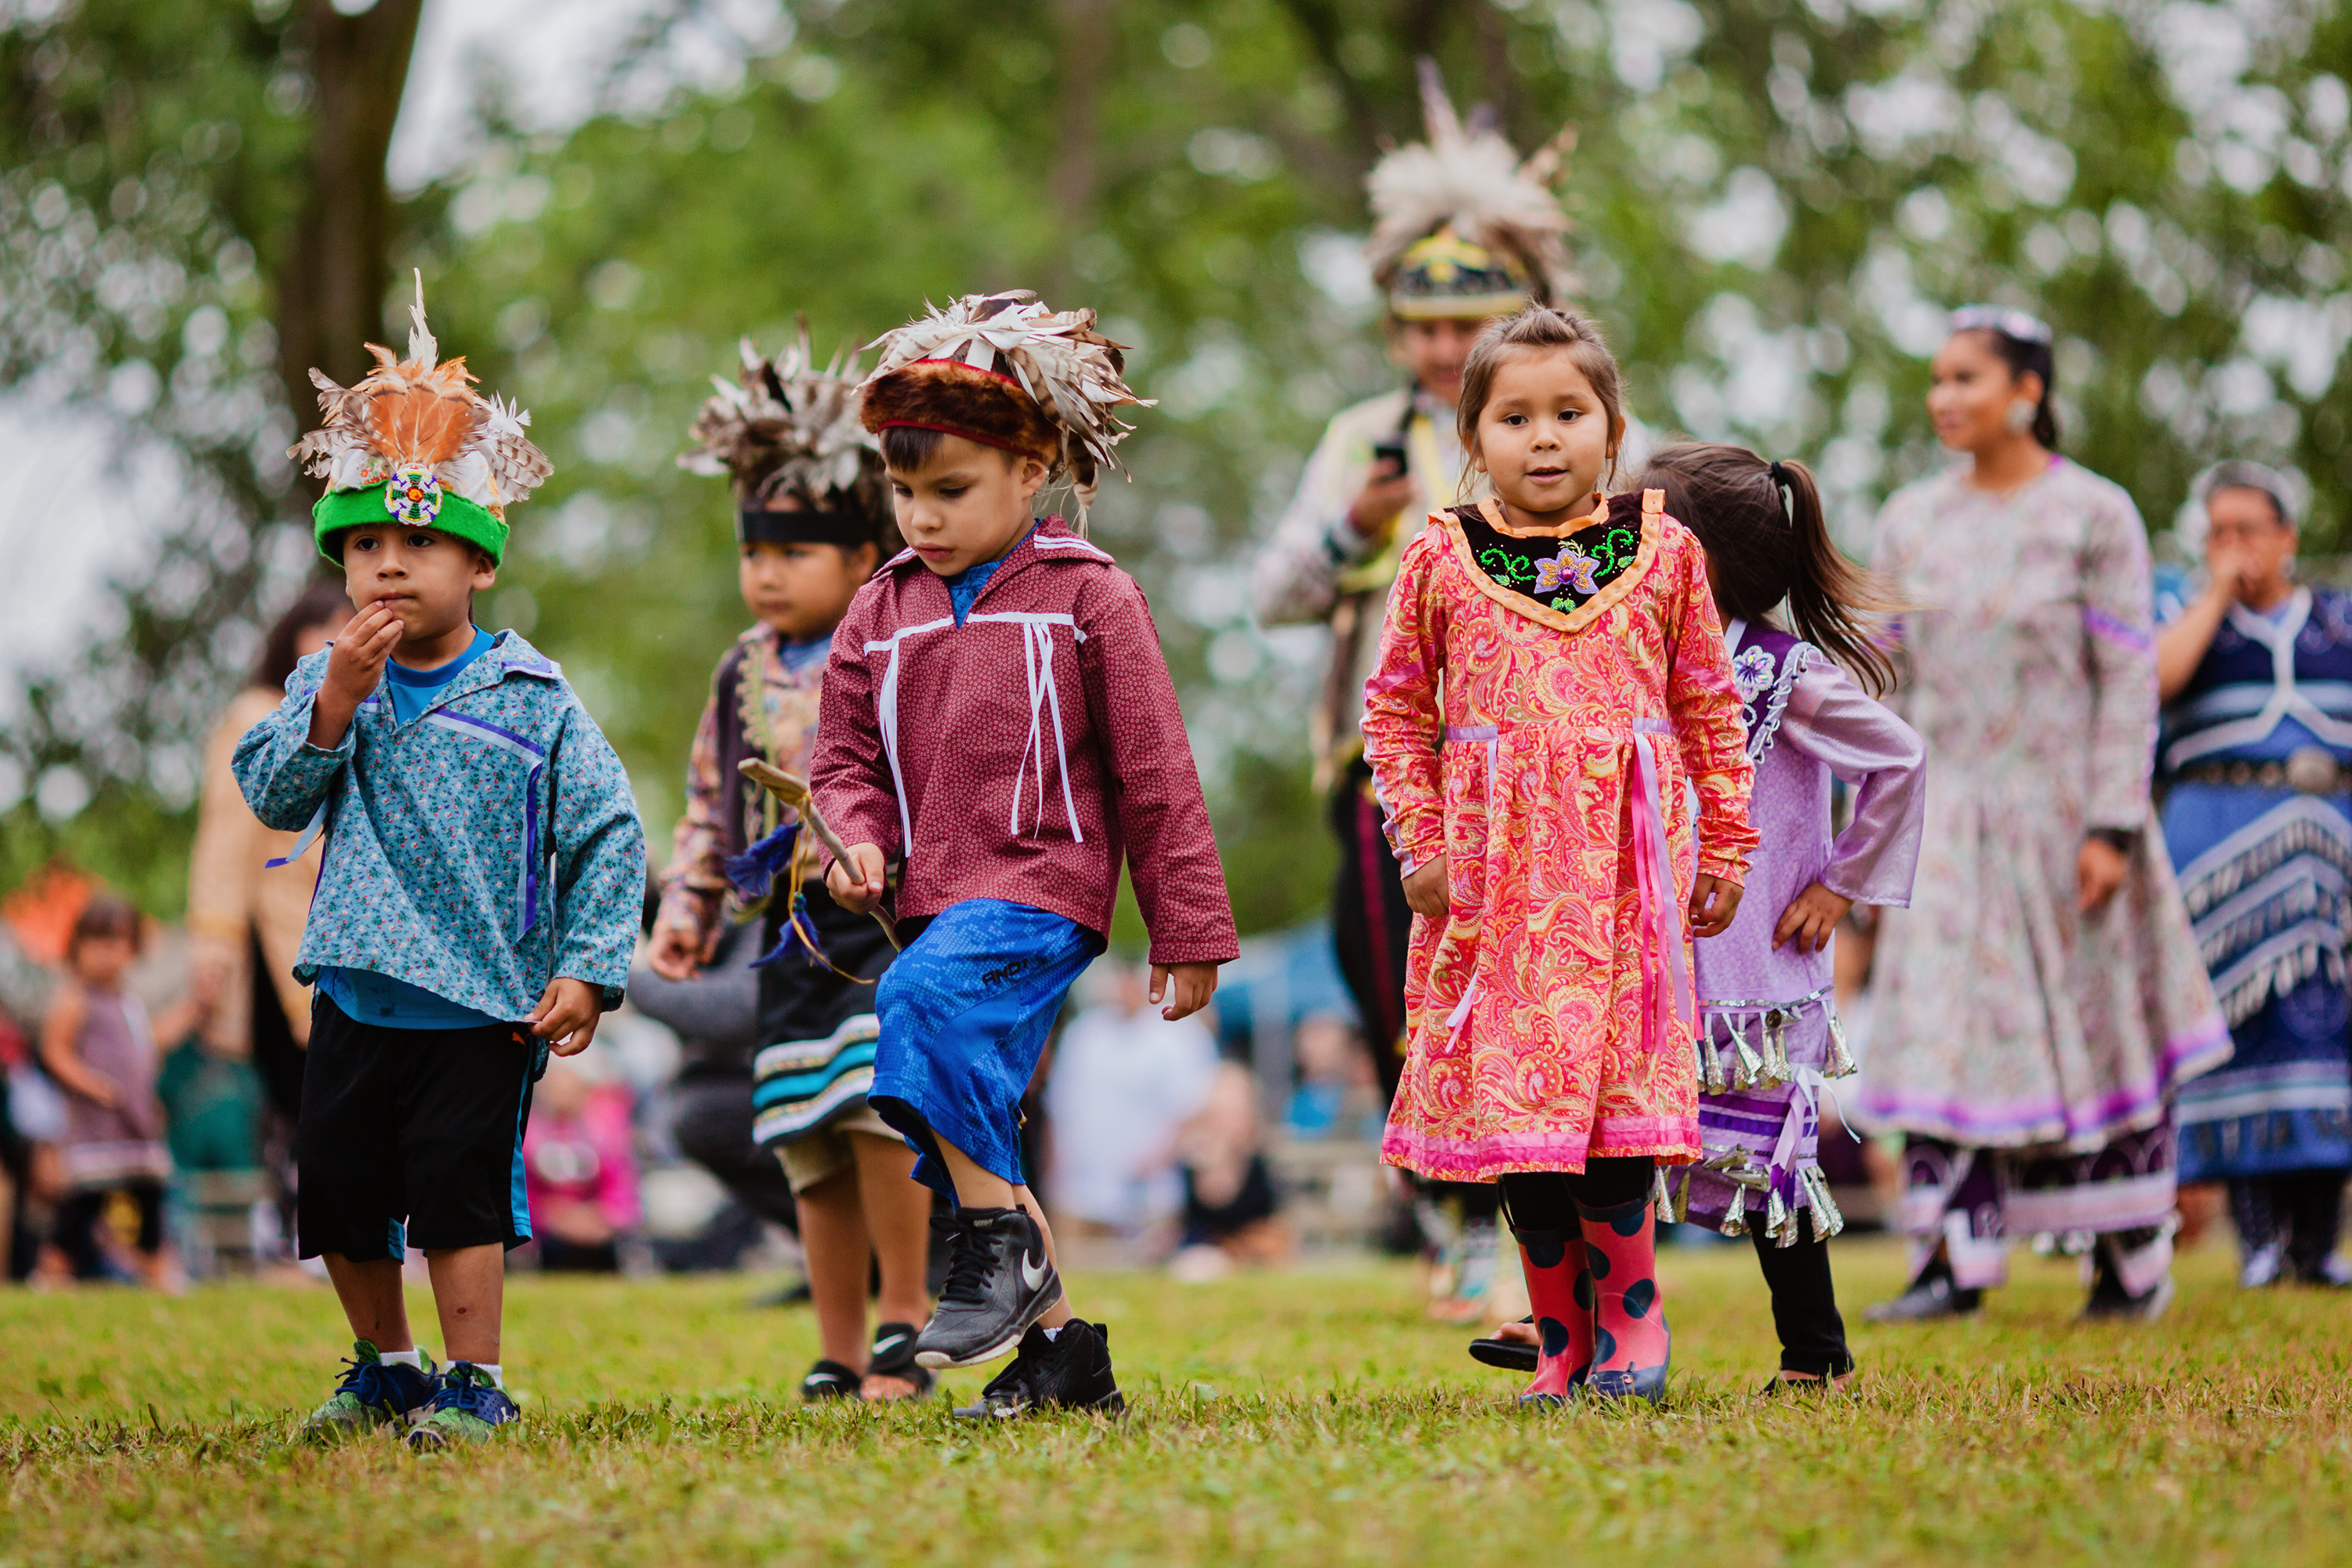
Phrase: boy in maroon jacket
(998, 725)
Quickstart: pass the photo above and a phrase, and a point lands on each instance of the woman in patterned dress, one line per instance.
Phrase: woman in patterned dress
(1550, 673)
(2038, 1003)
(2256, 674)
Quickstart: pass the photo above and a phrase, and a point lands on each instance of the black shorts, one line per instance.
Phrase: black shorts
(411, 1137)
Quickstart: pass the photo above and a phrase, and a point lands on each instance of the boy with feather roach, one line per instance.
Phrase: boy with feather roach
(478, 898)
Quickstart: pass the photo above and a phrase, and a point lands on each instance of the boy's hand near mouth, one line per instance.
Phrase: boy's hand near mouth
(354, 669)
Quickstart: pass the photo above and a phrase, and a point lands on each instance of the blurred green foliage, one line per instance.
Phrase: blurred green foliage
(1775, 201)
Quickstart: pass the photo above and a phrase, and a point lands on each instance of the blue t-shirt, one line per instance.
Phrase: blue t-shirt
(412, 691)
(365, 996)
(966, 584)
(801, 657)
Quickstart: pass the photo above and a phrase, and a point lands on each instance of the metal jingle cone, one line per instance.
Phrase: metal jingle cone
(1748, 1069)
(1660, 1199)
(1824, 1207)
(1711, 1066)
(1735, 1219)
(1682, 1198)
(1841, 1062)
(1777, 1218)
(1777, 1067)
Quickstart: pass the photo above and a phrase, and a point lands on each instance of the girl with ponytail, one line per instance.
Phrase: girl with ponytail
(1800, 627)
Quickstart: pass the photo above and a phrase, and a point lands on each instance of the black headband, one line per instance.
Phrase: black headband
(845, 528)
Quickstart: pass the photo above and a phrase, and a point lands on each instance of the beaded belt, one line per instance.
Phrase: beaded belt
(2309, 770)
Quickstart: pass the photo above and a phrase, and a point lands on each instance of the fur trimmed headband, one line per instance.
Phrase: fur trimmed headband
(1005, 370)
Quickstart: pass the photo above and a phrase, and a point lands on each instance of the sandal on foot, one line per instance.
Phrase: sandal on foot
(1511, 1355)
(893, 1357)
(828, 1380)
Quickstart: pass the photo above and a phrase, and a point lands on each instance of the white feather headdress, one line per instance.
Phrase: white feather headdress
(1054, 362)
(421, 416)
(1469, 179)
(787, 426)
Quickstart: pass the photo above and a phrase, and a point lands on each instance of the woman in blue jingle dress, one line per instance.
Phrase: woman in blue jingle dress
(2255, 674)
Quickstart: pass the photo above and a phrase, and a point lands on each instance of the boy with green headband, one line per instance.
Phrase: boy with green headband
(478, 898)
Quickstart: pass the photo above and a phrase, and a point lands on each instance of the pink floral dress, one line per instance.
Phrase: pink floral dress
(1538, 705)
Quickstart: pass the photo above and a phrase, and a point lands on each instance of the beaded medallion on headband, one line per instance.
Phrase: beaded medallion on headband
(1005, 370)
(1464, 228)
(788, 437)
(413, 443)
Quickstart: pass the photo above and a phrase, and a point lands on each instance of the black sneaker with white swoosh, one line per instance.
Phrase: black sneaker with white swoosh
(1000, 1280)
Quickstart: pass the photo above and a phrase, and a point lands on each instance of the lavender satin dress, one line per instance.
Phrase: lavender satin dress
(1772, 1038)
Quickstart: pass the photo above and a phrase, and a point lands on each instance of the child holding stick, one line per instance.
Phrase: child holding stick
(1000, 724)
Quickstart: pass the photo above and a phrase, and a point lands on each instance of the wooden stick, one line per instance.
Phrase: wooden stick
(793, 791)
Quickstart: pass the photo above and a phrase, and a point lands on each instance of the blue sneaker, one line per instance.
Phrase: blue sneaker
(372, 1393)
(465, 1407)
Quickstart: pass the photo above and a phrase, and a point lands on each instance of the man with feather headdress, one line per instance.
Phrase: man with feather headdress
(786, 1126)
(1464, 231)
(478, 898)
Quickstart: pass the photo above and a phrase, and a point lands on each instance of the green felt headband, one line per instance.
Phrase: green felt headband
(341, 510)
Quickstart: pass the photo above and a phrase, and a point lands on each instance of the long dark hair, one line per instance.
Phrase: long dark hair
(2023, 355)
(322, 603)
(1762, 527)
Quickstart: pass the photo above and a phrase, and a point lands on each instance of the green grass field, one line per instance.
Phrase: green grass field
(1308, 1417)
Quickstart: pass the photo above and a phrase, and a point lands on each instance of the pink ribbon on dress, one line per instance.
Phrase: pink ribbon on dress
(1668, 998)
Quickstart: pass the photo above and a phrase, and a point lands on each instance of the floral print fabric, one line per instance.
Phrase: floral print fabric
(1506, 736)
(478, 851)
(2002, 1016)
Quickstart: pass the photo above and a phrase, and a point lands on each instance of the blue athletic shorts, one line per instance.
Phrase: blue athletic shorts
(965, 1012)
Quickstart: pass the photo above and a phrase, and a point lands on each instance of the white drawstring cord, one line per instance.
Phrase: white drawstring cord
(1037, 661)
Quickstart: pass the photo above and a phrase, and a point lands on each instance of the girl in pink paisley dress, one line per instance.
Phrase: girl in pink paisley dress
(1551, 677)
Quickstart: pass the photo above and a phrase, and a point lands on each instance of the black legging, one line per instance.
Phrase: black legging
(1547, 1200)
(1804, 1303)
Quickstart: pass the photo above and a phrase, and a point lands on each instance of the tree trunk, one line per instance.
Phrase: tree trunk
(1084, 40)
(332, 284)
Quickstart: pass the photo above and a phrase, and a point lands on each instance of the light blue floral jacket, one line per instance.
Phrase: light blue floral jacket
(478, 851)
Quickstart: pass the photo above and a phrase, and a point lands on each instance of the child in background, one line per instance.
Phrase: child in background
(1541, 648)
(812, 521)
(479, 897)
(1766, 985)
(580, 1170)
(999, 724)
(98, 1046)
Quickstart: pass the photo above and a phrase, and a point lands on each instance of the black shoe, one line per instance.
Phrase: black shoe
(1070, 1371)
(1511, 1355)
(999, 1282)
(829, 1380)
(893, 1355)
(1931, 1296)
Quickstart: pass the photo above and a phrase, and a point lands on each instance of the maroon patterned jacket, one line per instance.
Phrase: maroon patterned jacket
(1020, 755)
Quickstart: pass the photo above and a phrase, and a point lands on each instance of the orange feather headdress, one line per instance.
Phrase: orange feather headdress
(416, 429)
